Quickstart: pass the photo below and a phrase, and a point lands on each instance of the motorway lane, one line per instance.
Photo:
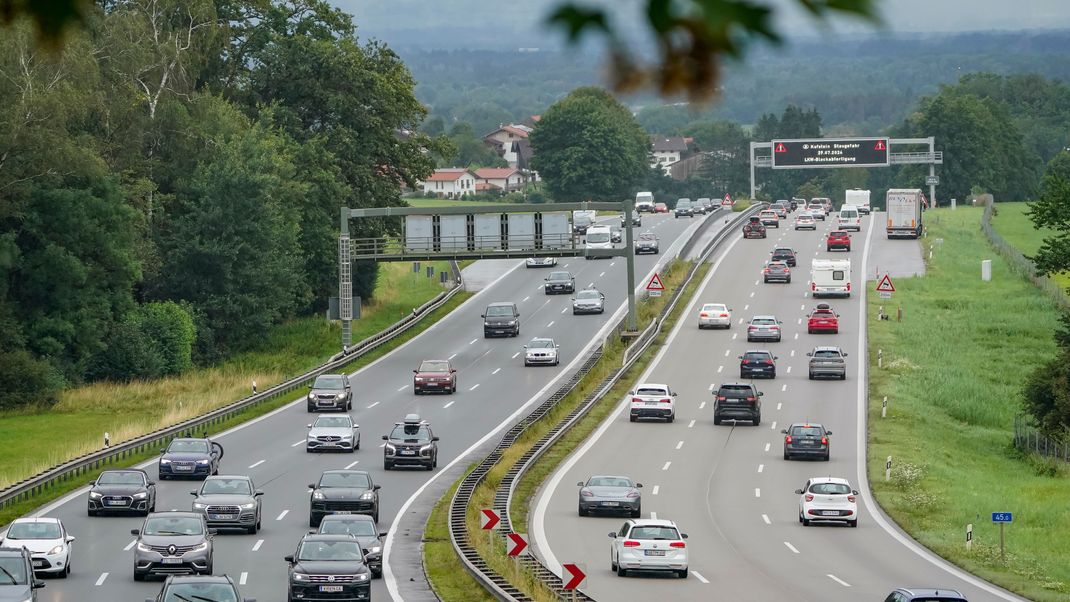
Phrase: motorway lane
(727, 486)
(270, 450)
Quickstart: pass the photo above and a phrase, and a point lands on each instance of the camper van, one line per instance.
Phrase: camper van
(830, 278)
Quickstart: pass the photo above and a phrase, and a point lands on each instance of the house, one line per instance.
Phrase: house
(506, 179)
(503, 140)
(450, 183)
(666, 150)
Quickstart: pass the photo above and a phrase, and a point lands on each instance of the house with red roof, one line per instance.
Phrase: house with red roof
(450, 183)
(506, 141)
(505, 179)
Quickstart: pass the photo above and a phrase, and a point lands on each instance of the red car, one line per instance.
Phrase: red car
(661, 208)
(754, 228)
(823, 319)
(434, 375)
(838, 239)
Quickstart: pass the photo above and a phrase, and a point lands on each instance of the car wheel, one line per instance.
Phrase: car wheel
(632, 418)
(349, 405)
(843, 376)
(138, 576)
(682, 574)
(826, 458)
(788, 281)
(805, 521)
(387, 465)
(637, 513)
(757, 420)
(672, 417)
(526, 364)
(375, 516)
(787, 456)
(778, 339)
(765, 281)
(811, 376)
(66, 571)
(853, 523)
(309, 409)
(716, 419)
(415, 391)
(583, 512)
(612, 564)
(91, 512)
(621, 572)
(312, 522)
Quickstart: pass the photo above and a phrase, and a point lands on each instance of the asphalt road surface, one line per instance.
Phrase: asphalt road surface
(727, 486)
(493, 384)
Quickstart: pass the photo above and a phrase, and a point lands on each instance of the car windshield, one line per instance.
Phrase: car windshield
(589, 295)
(594, 237)
(34, 531)
(768, 213)
(333, 422)
(654, 533)
(411, 432)
(826, 353)
(173, 525)
(329, 381)
(360, 528)
(830, 488)
(647, 236)
(609, 482)
(121, 478)
(807, 431)
(355, 480)
(650, 391)
(778, 265)
(226, 487)
(541, 344)
(12, 570)
(783, 252)
(192, 447)
(756, 355)
(763, 321)
(560, 276)
(714, 307)
(838, 233)
(200, 592)
(499, 311)
(435, 367)
(735, 390)
(330, 550)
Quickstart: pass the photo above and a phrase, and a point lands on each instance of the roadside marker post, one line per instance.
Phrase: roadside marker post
(888, 469)
(518, 542)
(969, 536)
(884, 407)
(880, 358)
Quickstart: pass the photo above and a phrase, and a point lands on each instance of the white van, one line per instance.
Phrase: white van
(830, 278)
(849, 219)
(644, 202)
(858, 198)
(599, 237)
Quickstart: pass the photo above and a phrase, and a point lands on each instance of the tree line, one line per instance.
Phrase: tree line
(171, 177)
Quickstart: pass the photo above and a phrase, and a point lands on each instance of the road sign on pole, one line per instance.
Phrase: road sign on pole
(517, 544)
(655, 286)
(1001, 518)
(830, 152)
(932, 181)
(884, 285)
(576, 575)
(488, 518)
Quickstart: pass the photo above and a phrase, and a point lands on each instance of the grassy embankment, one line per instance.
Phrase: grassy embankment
(126, 410)
(952, 373)
(451, 581)
(1012, 223)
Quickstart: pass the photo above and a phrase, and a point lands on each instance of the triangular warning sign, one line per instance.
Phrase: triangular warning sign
(885, 285)
(780, 148)
(880, 145)
(655, 283)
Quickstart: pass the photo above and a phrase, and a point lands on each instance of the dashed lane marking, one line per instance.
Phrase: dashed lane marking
(830, 576)
(100, 580)
(700, 577)
(667, 464)
(496, 370)
(761, 467)
(283, 515)
(691, 424)
(765, 517)
(702, 405)
(298, 443)
(757, 492)
(129, 546)
(352, 464)
(654, 491)
(772, 427)
(256, 546)
(373, 404)
(791, 547)
(767, 446)
(447, 405)
(255, 464)
(679, 444)
(474, 387)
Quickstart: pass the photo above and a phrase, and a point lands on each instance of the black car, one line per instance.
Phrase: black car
(776, 271)
(17, 580)
(410, 443)
(127, 490)
(363, 528)
(925, 594)
(217, 588)
(808, 440)
(738, 401)
(683, 208)
(343, 492)
(754, 228)
(328, 567)
(637, 219)
(785, 254)
(502, 318)
(190, 457)
(757, 364)
(559, 282)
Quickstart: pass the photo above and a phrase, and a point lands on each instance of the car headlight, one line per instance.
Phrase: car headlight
(201, 547)
(164, 461)
(347, 437)
(137, 496)
(375, 549)
(367, 495)
(311, 396)
(361, 577)
(340, 396)
(390, 448)
(95, 495)
(248, 506)
(300, 577)
(199, 505)
(317, 495)
(143, 548)
(203, 462)
(512, 322)
(419, 379)
(56, 550)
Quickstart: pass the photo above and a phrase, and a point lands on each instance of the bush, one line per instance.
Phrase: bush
(27, 381)
(171, 327)
(537, 197)
(154, 340)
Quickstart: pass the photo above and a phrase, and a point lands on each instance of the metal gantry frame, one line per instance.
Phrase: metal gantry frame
(386, 248)
(932, 158)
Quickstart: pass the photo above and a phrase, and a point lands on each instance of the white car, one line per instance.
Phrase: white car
(540, 262)
(46, 539)
(648, 545)
(541, 351)
(714, 315)
(828, 499)
(805, 221)
(333, 433)
(651, 400)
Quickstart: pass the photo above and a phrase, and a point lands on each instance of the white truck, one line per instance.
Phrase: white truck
(644, 202)
(904, 206)
(830, 278)
(857, 198)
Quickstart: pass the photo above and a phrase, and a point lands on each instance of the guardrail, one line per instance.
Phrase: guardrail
(93, 461)
(495, 583)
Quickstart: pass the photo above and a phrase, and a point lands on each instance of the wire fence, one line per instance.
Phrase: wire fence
(1029, 439)
(1019, 263)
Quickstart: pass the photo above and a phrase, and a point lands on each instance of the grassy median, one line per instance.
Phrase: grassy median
(953, 370)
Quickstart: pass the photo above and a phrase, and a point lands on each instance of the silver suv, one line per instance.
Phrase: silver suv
(173, 543)
(229, 502)
(828, 362)
(330, 392)
(17, 581)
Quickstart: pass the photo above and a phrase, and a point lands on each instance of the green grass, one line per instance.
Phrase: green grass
(445, 571)
(1012, 223)
(127, 410)
(952, 372)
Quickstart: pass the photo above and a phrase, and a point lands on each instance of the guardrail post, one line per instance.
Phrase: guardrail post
(880, 358)
(884, 407)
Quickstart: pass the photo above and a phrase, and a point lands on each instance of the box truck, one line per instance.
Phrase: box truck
(904, 207)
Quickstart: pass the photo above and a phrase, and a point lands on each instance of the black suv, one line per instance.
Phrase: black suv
(17, 581)
(757, 364)
(364, 529)
(808, 440)
(738, 401)
(785, 254)
(501, 318)
(410, 443)
(199, 587)
(345, 492)
(329, 567)
(559, 282)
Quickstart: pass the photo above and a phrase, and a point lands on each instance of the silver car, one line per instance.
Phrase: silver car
(763, 328)
(647, 243)
(540, 262)
(541, 351)
(610, 494)
(828, 362)
(229, 502)
(172, 543)
(588, 301)
(333, 433)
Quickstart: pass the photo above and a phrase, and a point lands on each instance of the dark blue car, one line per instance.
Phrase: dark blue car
(190, 457)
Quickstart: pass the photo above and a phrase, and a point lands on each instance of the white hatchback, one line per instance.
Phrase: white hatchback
(648, 545)
(651, 400)
(714, 315)
(828, 499)
(46, 539)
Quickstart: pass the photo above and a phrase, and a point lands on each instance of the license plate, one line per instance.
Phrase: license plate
(407, 452)
(38, 563)
(115, 503)
(829, 513)
(611, 503)
(655, 552)
(651, 403)
(223, 517)
(180, 468)
(341, 512)
(432, 384)
(330, 588)
(172, 561)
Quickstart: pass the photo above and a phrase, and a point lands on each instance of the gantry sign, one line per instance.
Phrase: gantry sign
(506, 231)
(827, 153)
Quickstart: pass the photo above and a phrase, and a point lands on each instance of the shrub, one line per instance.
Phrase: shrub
(27, 381)
(153, 340)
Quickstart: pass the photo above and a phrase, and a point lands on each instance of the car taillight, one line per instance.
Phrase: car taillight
(703, 315)
(765, 271)
(750, 399)
(637, 400)
(666, 400)
(813, 286)
(631, 544)
(745, 362)
(721, 398)
(824, 441)
(770, 362)
(787, 439)
(724, 315)
(809, 497)
(851, 498)
(848, 287)
(677, 544)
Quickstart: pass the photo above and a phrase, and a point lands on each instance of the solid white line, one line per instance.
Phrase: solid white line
(402, 388)
(654, 491)
(550, 324)
(691, 424)
(516, 354)
(791, 547)
(761, 467)
(702, 405)
(496, 370)
(474, 387)
(256, 546)
(298, 443)
(757, 492)
(700, 577)
(352, 464)
(243, 578)
(452, 356)
(373, 405)
(667, 464)
(838, 580)
(447, 405)
(472, 342)
(283, 515)
(254, 465)
(765, 517)
(767, 446)
(679, 444)
(100, 581)
(130, 545)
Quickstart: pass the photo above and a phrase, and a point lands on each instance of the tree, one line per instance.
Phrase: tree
(588, 146)
(726, 162)
(1051, 211)
(469, 150)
